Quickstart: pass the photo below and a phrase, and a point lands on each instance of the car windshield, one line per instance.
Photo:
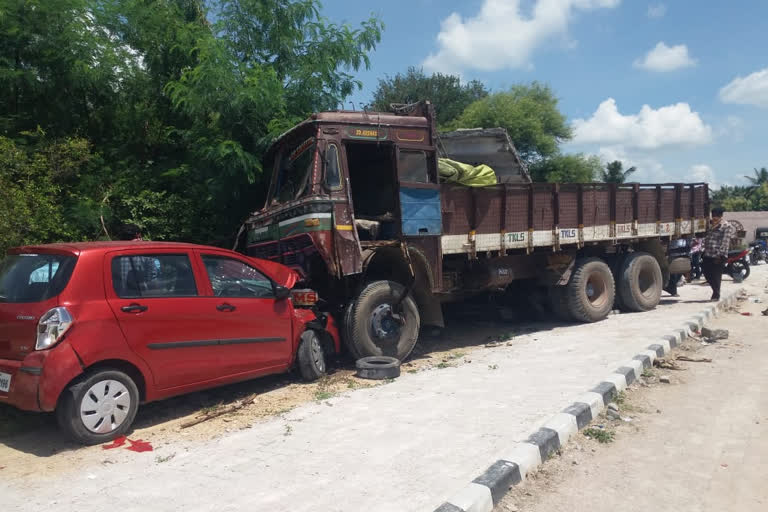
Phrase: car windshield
(34, 277)
(293, 177)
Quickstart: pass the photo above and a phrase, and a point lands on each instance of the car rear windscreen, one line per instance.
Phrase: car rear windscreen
(34, 277)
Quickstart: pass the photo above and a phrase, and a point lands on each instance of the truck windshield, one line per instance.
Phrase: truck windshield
(295, 170)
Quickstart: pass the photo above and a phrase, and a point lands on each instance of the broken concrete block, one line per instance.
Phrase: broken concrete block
(664, 379)
(714, 334)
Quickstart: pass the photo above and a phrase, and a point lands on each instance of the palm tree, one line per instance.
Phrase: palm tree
(761, 177)
(614, 172)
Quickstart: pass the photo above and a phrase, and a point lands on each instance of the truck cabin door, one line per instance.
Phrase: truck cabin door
(419, 193)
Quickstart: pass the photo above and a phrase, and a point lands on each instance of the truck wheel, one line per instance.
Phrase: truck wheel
(311, 356)
(590, 291)
(558, 301)
(640, 282)
(99, 407)
(375, 328)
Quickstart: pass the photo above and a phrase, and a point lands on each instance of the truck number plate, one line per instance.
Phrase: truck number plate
(5, 382)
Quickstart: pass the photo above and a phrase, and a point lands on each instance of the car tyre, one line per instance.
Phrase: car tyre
(378, 367)
(98, 407)
(312, 360)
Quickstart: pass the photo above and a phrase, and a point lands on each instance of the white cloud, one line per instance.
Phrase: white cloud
(664, 58)
(749, 90)
(501, 36)
(657, 11)
(702, 172)
(672, 125)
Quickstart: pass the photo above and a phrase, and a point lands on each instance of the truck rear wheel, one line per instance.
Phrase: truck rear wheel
(590, 291)
(378, 326)
(640, 282)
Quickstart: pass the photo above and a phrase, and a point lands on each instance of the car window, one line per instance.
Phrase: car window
(153, 275)
(34, 277)
(233, 278)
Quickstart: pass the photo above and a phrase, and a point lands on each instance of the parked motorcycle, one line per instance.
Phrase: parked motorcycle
(757, 252)
(737, 265)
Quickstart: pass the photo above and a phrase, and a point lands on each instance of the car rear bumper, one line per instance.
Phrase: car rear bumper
(25, 381)
(37, 381)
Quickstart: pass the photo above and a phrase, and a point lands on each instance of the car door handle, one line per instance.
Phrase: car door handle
(134, 308)
(225, 307)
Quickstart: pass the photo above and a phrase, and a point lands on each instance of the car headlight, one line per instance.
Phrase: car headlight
(52, 327)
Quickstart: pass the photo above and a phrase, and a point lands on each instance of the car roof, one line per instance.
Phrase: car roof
(82, 247)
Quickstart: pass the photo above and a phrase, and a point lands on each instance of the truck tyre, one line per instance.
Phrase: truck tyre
(640, 282)
(558, 301)
(376, 328)
(98, 407)
(311, 356)
(590, 291)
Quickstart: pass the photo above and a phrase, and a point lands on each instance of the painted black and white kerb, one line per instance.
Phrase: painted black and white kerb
(486, 490)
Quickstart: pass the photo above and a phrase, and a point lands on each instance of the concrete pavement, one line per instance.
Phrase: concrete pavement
(404, 446)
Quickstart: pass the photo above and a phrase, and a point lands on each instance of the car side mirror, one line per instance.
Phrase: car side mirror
(281, 292)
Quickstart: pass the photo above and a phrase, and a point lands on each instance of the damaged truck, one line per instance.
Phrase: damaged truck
(388, 220)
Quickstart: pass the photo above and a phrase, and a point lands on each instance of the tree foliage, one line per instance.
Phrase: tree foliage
(530, 115)
(572, 168)
(172, 107)
(449, 96)
(614, 172)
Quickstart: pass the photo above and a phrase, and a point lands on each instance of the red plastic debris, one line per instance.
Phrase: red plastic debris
(117, 443)
(139, 446)
(746, 313)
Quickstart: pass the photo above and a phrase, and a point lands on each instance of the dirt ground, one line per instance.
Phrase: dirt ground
(696, 443)
(160, 423)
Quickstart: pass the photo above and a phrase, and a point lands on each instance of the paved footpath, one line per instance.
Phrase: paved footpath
(404, 446)
(706, 452)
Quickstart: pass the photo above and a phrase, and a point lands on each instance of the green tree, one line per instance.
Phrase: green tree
(760, 177)
(575, 168)
(449, 96)
(614, 172)
(530, 115)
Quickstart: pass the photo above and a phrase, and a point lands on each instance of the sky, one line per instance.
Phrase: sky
(677, 88)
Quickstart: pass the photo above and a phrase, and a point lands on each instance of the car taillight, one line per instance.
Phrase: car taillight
(52, 327)
(304, 297)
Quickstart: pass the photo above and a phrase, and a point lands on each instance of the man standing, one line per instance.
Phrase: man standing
(716, 246)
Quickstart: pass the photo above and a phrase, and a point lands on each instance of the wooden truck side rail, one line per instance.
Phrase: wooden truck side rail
(526, 216)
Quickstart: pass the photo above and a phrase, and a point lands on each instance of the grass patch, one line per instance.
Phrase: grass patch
(620, 398)
(647, 373)
(601, 435)
(323, 394)
(443, 365)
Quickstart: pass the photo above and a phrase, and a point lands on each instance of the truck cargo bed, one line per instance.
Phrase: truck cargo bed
(526, 216)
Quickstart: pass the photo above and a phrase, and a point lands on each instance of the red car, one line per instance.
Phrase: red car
(90, 330)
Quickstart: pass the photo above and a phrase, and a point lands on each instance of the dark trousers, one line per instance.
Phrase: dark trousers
(713, 272)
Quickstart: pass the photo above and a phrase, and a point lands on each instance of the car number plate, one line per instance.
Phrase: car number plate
(5, 382)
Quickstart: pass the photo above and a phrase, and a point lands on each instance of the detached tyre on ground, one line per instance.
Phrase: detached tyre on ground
(378, 367)
(589, 293)
(311, 356)
(99, 407)
(640, 282)
(376, 325)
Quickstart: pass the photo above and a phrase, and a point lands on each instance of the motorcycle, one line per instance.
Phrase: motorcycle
(737, 265)
(757, 252)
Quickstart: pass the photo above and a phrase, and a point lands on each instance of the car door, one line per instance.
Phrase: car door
(255, 327)
(155, 297)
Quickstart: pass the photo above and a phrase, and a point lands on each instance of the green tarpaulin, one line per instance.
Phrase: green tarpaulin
(452, 171)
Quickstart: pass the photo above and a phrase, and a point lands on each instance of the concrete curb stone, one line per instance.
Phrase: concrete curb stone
(489, 488)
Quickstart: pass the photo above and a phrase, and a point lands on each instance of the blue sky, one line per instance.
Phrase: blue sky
(678, 88)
